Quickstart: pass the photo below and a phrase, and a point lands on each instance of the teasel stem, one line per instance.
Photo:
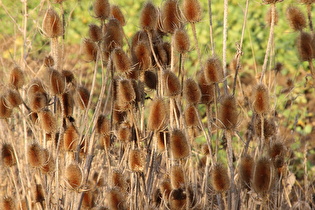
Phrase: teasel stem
(24, 32)
(306, 184)
(63, 33)
(211, 27)
(309, 15)
(240, 47)
(225, 26)
(55, 51)
(193, 27)
(232, 192)
(270, 40)
(12, 177)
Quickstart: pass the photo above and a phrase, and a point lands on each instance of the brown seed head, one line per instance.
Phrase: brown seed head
(95, 33)
(102, 125)
(69, 76)
(263, 176)
(149, 17)
(13, 98)
(157, 117)
(104, 141)
(87, 201)
(192, 10)
(171, 83)
(37, 101)
(115, 199)
(142, 55)
(73, 175)
(306, 46)
(70, 138)
(7, 203)
(49, 62)
(219, 178)
(7, 155)
(177, 177)
(268, 17)
(207, 91)
(162, 139)
(101, 9)
(49, 163)
(165, 188)
(17, 77)
(150, 79)
(228, 113)
(35, 155)
(5, 110)
(48, 120)
(213, 70)
(191, 91)
(81, 97)
(296, 18)
(117, 179)
(277, 149)
(178, 199)
(269, 128)
(261, 99)
(89, 50)
(125, 93)
(181, 41)
(246, 169)
(179, 145)
(68, 103)
(113, 35)
(38, 193)
(307, 1)
(124, 133)
(121, 61)
(136, 160)
(170, 16)
(56, 81)
(52, 25)
(191, 116)
(116, 13)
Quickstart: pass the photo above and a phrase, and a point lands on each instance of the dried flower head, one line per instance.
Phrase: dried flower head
(149, 17)
(228, 114)
(296, 18)
(171, 83)
(246, 169)
(38, 193)
(7, 155)
(35, 155)
(263, 175)
(150, 79)
(101, 9)
(269, 128)
(73, 175)
(116, 13)
(121, 61)
(48, 120)
(95, 33)
(5, 110)
(7, 203)
(70, 138)
(17, 77)
(306, 46)
(191, 91)
(177, 177)
(13, 98)
(81, 97)
(102, 125)
(219, 178)
(179, 146)
(157, 117)
(113, 35)
(170, 16)
(207, 90)
(268, 17)
(115, 198)
(89, 50)
(142, 55)
(191, 116)
(181, 41)
(261, 99)
(213, 70)
(136, 160)
(192, 10)
(52, 25)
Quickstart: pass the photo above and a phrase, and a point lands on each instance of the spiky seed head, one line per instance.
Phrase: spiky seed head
(13, 98)
(89, 50)
(121, 61)
(136, 160)
(228, 114)
(118, 115)
(213, 70)
(192, 10)
(7, 203)
(150, 79)
(139, 36)
(49, 61)
(191, 116)
(52, 25)
(115, 198)
(17, 78)
(306, 46)
(157, 117)
(207, 90)
(142, 55)
(246, 170)
(181, 41)
(220, 180)
(70, 138)
(87, 201)
(35, 155)
(113, 35)
(49, 163)
(261, 99)
(102, 125)
(148, 17)
(38, 193)
(48, 120)
(125, 93)
(101, 9)
(269, 128)
(307, 1)
(170, 16)
(5, 110)
(177, 177)
(179, 145)
(68, 103)
(117, 179)
(205, 149)
(56, 81)
(95, 33)
(124, 133)
(69, 76)
(7, 155)
(117, 13)
(171, 83)
(178, 199)
(263, 175)
(277, 149)
(162, 139)
(268, 17)
(296, 18)
(81, 97)
(191, 91)
(37, 101)
(73, 175)
(104, 141)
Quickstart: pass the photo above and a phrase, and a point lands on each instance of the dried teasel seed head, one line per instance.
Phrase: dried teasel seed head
(119, 115)
(95, 33)
(87, 201)
(121, 61)
(170, 16)
(37, 101)
(150, 79)
(162, 139)
(69, 76)
(48, 120)
(81, 97)
(101, 9)
(213, 70)
(191, 91)
(52, 25)
(17, 78)
(117, 179)
(7, 203)
(102, 125)
(171, 83)
(178, 199)
(55, 81)
(142, 55)
(228, 114)
(13, 98)
(5, 110)
(136, 160)
(148, 16)
(261, 99)
(165, 188)
(49, 62)
(70, 138)
(191, 116)
(89, 50)
(179, 145)
(157, 117)
(113, 35)
(181, 41)
(205, 149)
(115, 198)
(125, 92)
(7, 155)
(263, 175)
(269, 128)
(207, 90)
(268, 17)
(124, 133)
(246, 170)
(177, 177)
(49, 163)
(307, 1)
(104, 142)
(305, 45)
(296, 18)
(35, 155)
(192, 10)
(277, 149)
(68, 103)
(73, 175)
(220, 180)
(38, 193)
(116, 13)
